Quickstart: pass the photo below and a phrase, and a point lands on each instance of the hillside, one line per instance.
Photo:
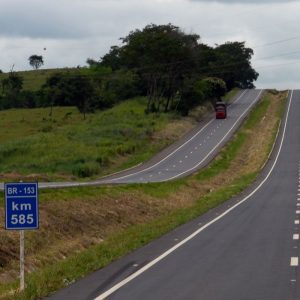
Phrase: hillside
(64, 146)
(83, 229)
(34, 79)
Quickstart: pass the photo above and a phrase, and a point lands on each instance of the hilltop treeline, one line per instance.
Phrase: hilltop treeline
(173, 69)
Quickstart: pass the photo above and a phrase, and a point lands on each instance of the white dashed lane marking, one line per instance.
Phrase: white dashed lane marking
(294, 261)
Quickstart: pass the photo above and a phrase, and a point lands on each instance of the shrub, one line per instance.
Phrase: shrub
(86, 170)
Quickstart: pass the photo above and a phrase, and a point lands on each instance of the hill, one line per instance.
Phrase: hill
(84, 228)
(66, 147)
(34, 79)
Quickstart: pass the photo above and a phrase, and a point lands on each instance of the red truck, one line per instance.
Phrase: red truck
(221, 110)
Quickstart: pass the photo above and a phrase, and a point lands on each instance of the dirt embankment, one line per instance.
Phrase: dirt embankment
(71, 222)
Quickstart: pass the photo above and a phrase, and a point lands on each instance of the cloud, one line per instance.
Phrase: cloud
(246, 1)
(73, 30)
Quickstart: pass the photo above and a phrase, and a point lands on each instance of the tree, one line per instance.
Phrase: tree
(11, 91)
(66, 90)
(213, 88)
(36, 61)
(191, 95)
(168, 63)
(160, 55)
(233, 65)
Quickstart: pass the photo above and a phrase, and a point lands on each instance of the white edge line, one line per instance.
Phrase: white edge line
(177, 149)
(162, 256)
(116, 173)
(224, 137)
(273, 146)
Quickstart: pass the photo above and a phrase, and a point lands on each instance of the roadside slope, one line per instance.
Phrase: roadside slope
(111, 221)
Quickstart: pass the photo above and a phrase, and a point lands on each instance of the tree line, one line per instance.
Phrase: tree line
(174, 70)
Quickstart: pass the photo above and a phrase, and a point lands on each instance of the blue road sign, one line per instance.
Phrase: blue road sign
(21, 206)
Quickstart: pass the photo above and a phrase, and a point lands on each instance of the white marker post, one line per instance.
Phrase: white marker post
(22, 261)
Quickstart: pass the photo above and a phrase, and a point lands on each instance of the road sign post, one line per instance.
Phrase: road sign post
(22, 260)
(21, 213)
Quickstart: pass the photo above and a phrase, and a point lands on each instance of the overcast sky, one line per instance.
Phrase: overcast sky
(67, 32)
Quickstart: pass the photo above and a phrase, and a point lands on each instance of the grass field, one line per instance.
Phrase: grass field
(33, 80)
(64, 146)
(119, 219)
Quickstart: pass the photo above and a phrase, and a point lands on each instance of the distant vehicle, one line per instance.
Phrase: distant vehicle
(221, 110)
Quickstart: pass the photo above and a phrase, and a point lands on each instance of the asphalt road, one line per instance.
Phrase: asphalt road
(245, 249)
(186, 156)
(196, 151)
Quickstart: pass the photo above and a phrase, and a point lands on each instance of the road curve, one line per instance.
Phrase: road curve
(248, 248)
(185, 157)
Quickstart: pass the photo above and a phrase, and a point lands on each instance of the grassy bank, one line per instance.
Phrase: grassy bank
(64, 146)
(122, 218)
(33, 80)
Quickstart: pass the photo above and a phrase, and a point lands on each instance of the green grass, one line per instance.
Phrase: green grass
(62, 273)
(34, 79)
(32, 142)
(230, 95)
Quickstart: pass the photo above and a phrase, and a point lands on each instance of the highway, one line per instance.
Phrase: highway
(196, 151)
(186, 156)
(245, 249)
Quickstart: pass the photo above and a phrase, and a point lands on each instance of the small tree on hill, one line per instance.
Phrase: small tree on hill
(36, 61)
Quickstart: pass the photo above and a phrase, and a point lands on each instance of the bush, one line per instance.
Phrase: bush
(102, 160)
(86, 170)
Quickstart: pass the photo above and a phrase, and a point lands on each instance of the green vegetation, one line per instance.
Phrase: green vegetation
(63, 272)
(36, 61)
(33, 142)
(34, 80)
(161, 62)
(166, 72)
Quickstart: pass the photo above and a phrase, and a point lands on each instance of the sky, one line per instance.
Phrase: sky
(67, 32)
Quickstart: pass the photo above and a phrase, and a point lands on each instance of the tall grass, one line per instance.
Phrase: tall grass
(71, 146)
